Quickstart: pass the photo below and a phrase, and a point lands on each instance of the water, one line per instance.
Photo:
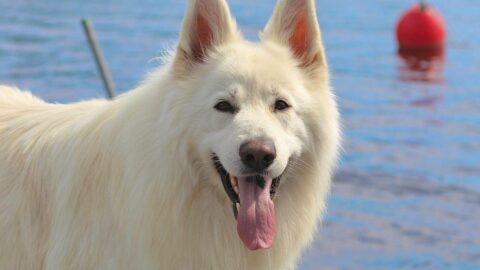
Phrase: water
(407, 195)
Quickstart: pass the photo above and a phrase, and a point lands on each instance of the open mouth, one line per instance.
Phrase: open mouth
(252, 203)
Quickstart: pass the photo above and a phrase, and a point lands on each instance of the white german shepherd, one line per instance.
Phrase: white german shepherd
(220, 160)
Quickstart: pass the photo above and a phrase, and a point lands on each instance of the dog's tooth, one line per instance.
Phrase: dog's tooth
(234, 182)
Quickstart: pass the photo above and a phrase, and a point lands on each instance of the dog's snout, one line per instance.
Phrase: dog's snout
(258, 154)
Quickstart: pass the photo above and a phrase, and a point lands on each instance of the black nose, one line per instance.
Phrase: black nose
(258, 154)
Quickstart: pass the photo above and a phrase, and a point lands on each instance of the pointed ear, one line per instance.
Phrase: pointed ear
(207, 24)
(294, 24)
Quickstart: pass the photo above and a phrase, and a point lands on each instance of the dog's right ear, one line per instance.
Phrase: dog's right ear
(207, 24)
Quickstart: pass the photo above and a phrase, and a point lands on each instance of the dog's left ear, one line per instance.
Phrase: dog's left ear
(294, 24)
(207, 24)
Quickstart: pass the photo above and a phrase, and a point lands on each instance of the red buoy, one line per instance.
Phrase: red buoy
(421, 27)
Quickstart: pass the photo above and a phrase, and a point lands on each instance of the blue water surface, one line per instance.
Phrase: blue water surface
(407, 194)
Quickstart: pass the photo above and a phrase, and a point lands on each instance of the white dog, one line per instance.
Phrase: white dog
(220, 160)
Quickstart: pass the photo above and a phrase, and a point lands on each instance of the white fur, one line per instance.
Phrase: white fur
(130, 184)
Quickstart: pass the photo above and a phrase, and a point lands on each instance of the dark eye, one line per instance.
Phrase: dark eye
(224, 106)
(281, 105)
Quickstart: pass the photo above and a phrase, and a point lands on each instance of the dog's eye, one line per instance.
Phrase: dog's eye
(224, 106)
(281, 105)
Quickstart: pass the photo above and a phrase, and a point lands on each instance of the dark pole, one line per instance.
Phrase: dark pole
(99, 59)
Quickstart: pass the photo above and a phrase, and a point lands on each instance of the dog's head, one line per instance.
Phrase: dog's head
(251, 103)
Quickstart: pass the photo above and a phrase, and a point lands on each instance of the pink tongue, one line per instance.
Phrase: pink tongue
(256, 216)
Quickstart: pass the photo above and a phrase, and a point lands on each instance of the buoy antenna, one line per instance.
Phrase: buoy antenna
(423, 5)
